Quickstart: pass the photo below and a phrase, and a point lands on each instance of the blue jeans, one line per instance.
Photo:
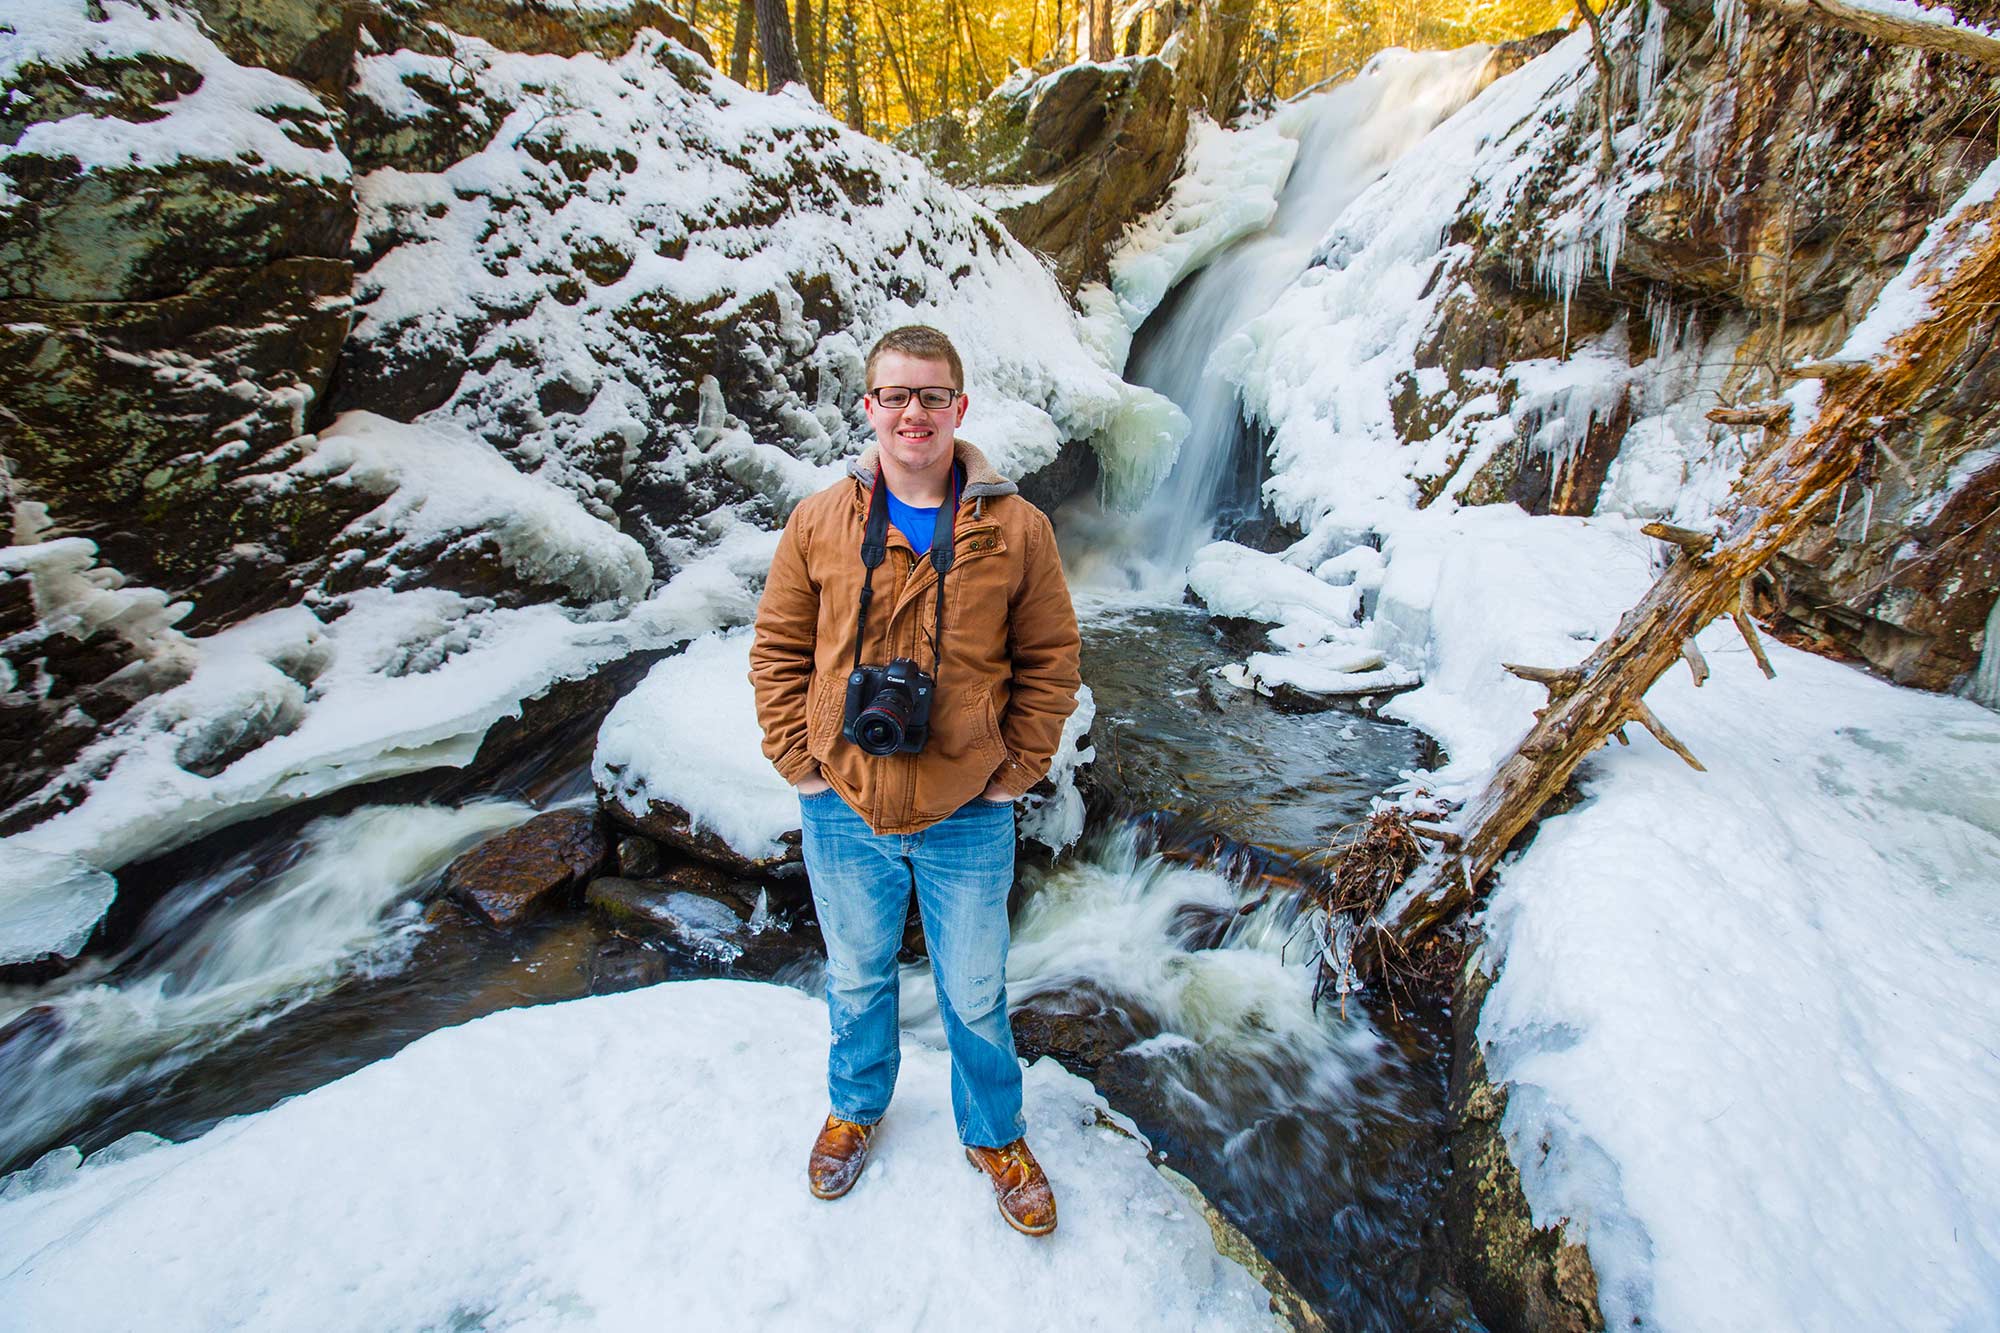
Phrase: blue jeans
(963, 868)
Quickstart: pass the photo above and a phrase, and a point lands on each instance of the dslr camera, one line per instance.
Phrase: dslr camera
(888, 708)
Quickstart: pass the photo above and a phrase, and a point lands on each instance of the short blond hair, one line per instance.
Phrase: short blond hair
(920, 341)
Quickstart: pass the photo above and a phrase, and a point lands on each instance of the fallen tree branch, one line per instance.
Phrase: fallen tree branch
(1942, 33)
(1780, 493)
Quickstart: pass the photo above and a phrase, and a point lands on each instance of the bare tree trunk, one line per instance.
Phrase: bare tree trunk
(1607, 154)
(820, 58)
(911, 101)
(1779, 495)
(739, 46)
(850, 39)
(1941, 34)
(802, 30)
(774, 43)
(985, 84)
(1100, 29)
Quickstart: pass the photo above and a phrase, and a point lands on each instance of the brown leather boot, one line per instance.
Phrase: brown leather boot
(838, 1155)
(1025, 1199)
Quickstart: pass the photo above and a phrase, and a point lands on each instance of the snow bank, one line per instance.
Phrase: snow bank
(445, 485)
(612, 1134)
(1748, 1017)
(688, 735)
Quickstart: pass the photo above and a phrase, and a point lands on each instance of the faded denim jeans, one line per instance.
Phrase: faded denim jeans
(963, 868)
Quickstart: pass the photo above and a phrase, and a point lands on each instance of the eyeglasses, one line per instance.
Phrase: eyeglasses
(935, 397)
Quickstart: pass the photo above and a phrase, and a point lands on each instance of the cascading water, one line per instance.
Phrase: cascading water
(231, 951)
(1347, 138)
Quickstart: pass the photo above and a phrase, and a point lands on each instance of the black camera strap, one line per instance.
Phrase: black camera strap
(875, 549)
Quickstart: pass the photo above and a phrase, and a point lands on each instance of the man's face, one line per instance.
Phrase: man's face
(915, 438)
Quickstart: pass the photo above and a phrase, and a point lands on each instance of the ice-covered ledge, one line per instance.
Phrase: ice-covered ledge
(618, 1162)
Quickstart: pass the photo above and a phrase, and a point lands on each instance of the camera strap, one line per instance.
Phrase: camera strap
(875, 549)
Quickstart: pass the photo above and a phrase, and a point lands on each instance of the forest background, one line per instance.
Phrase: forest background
(886, 65)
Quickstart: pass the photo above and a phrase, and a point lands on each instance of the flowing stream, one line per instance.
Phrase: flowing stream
(1166, 958)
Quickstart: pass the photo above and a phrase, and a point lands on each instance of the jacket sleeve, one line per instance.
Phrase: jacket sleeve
(1042, 641)
(781, 652)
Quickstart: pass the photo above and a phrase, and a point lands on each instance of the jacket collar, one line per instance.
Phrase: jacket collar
(981, 481)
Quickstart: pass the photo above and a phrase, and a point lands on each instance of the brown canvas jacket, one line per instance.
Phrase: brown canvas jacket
(1009, 676)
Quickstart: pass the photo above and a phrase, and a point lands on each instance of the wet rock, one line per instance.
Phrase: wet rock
(514, 874)
(1518, 1275)
(1080, 1028)
(622, 963)
(668, 823)
(638, 858)
(708, 915)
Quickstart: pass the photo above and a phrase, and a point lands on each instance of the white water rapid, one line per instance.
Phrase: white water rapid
(342, 908)
(1347, 138)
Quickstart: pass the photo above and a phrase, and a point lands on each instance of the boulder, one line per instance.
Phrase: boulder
(669, 824)
(513, 875)
(638, 858)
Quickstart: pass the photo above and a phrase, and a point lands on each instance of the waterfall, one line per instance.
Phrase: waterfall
(1347, 138)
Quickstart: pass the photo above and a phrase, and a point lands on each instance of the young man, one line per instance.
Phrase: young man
(915, 659)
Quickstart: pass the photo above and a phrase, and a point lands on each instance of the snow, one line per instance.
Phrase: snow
(1752, 1013)
(238, 114)
(1234, 580)
(598, 1143)
(446, 484)
(1932, 16)
(708, 204)
(687, 735)
(1905, 302)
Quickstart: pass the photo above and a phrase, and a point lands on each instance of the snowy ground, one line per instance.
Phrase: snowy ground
(625, 1162)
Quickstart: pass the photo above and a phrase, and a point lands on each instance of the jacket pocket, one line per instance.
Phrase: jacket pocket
(823, 703)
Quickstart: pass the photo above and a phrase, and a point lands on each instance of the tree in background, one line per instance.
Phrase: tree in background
(774, 44)
(886, 65)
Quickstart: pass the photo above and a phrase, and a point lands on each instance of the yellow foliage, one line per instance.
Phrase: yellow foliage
(883, 65)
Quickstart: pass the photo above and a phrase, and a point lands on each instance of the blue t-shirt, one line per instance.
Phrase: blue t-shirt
(918, 525)
(914, 523)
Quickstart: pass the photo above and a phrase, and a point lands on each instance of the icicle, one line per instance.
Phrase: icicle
(1840, 506)
(1867, 510)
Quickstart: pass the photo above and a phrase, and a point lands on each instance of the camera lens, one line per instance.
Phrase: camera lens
(879, 727)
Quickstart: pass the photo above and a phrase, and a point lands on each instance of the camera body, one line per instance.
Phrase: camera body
(888, 708)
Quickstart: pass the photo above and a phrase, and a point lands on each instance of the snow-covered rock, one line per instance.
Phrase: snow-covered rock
(632, 1158)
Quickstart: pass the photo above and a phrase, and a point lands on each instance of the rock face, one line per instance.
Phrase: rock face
(1768, 188)
(1518, 1275)
(1074, 155)
(510, 876)
(555, 232)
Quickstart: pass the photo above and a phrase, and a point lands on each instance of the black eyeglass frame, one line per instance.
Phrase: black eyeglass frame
(953, 395)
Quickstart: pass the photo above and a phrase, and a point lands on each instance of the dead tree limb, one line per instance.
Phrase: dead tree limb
(1942, 33)
(1781, 491)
